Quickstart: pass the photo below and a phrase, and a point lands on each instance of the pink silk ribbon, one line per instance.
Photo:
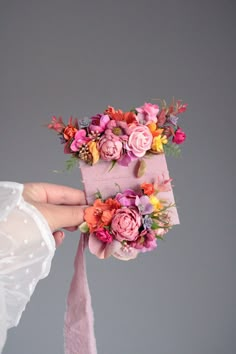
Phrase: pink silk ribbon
(79, 337)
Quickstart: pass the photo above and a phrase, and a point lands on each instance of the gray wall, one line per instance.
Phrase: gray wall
(74, 58)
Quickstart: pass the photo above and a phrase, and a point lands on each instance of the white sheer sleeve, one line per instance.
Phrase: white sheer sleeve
(26, 251)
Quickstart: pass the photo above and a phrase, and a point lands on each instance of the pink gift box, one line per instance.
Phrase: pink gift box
(100, 177)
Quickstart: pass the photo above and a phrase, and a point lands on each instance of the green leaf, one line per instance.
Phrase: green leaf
(172, 149)
(84, 227)
(71, 162)
(154, 226)
(112, 165)
(98, 194)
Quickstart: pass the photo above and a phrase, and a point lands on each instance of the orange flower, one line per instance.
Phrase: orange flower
(69, 132)
(148, 188)
(153, 127)
(94, 151)
(101, 213)
(128, 117)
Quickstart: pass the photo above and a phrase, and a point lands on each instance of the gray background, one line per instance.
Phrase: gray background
(76, 57)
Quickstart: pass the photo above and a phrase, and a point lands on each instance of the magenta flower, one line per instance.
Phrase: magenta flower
(127, 198)
(99, 123)
(145, 242)
(80, 138)
(126, 158)
(147, 113)
(104, 235)
(179, 136)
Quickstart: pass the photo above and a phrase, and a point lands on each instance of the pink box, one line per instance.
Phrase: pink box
(98, 178)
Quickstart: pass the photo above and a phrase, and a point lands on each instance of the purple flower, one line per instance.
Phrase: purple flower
(62, 139)
(143, 204)
(126, 158)
(173, 119)
(147, 222)
(127, 198)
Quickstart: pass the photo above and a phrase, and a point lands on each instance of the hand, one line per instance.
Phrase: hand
(62, 207)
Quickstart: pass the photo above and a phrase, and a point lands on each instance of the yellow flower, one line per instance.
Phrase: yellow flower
(94, 151)
(157, 143)
(155, 202)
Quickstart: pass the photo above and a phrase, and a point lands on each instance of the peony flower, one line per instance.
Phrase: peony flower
(99, 123)
(125, 224)
(148, 188)
(147, 113)
(104, 235)
(143, 204)
(80, 138)
(140, 140)
(69, 132)
(179, 136)
(110, 148)
(157, 143)
(127, 198)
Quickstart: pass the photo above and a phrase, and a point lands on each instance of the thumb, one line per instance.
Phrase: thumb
(61, 216)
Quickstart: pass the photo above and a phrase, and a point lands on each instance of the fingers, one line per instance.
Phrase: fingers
(54, 194)
(59, 237)
(62, 216)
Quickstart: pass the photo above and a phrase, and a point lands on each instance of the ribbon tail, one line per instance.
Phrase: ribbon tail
(79, 337)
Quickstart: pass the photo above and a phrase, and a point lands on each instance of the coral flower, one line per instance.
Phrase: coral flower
(128, 117)
(69, 132)
(147, 188)
(100, 214)
(56, 124)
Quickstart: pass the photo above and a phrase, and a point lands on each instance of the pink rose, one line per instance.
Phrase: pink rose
(110, 148)
(140, 140)
(179, 136)
(104, 235)
(125, 224)
(147, 113)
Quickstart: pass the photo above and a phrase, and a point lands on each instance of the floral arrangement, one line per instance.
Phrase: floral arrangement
(128, 223)
(121, 137)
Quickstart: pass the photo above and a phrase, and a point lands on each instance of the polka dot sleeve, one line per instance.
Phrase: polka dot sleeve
(26, 251)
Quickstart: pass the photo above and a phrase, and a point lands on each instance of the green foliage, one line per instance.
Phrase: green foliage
(71, 162)
(98, 195)
(172, 149)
